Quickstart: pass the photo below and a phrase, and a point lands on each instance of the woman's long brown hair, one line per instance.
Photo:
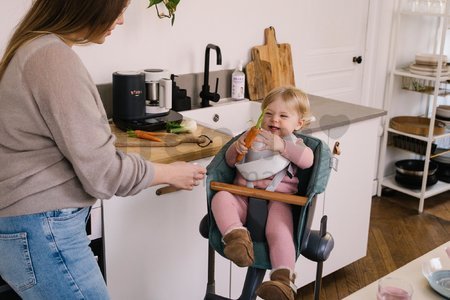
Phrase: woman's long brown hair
(62, 17)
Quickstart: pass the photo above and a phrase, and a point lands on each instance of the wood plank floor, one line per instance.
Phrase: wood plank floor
(398, 234)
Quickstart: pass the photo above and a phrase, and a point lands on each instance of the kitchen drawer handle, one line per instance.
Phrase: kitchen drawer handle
(166, 190)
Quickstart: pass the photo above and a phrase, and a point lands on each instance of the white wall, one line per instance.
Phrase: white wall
(145, 41)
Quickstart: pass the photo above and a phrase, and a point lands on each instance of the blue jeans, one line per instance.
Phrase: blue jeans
(47, 256)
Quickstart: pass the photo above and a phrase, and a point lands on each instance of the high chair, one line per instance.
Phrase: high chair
(316, 245)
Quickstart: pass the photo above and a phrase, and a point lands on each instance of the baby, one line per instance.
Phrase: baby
(286, 110)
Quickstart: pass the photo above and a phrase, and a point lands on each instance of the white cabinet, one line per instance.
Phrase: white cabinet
(347, 201)
(153, 248)
(417, 29)
(348, 197)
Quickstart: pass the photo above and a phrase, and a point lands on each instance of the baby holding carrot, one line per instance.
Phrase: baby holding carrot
(285, 111)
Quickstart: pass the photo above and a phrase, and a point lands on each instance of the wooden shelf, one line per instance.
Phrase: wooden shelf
(405, 73)
(440, 153)
(420, 137)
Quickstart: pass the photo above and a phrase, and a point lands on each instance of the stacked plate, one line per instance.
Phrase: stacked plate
(437, 272)
(443, 162)
(427, 65)
(443, 114)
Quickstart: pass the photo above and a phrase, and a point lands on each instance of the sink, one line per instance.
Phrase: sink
(227, 116)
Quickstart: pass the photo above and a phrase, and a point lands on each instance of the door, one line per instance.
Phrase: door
(332, 62)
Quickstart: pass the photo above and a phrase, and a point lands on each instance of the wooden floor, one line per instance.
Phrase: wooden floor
(398, 234)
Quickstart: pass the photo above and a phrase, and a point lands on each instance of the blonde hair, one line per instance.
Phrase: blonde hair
(62, 17)
(295, 98)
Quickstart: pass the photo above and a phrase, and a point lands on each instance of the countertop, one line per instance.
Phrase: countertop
(328, 113)
(412, 273)
(331, 113)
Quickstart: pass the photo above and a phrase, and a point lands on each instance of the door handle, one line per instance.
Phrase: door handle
(357, 59)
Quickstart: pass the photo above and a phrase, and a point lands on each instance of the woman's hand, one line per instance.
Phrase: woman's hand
(271, 141)
(179, 174)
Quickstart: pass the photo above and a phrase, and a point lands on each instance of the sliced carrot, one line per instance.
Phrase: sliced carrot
(251, 135)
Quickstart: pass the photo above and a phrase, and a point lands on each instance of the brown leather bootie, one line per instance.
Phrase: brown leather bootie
(239, 247)
(280, 287)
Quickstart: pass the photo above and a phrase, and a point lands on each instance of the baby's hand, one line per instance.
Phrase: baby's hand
(271, 141)
(240, 144)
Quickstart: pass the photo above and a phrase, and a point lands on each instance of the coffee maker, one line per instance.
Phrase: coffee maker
(143, 100)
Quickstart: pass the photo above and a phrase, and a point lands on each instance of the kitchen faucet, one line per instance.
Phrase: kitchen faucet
(205, 94)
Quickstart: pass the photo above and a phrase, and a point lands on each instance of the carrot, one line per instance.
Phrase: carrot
(153, 133)
(143, 135)
(252, 134)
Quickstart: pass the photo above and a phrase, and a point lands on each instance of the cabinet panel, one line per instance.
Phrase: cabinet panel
(153, 247)
(348, 196)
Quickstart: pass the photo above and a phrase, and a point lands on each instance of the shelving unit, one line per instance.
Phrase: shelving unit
(426, 91)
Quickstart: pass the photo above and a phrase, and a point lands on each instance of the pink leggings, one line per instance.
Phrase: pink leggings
(230, 212)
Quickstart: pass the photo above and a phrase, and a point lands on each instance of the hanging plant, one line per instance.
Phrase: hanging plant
(170, 6)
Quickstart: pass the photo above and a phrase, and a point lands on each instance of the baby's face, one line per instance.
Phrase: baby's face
(280, 119)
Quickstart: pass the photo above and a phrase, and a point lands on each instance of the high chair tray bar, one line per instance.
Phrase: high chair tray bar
(260, 194)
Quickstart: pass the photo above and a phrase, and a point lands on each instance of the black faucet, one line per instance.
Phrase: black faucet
(205, 94)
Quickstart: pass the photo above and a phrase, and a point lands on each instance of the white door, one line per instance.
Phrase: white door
(335, 35)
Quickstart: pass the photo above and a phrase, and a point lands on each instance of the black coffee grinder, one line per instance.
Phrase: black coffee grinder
(129, 104)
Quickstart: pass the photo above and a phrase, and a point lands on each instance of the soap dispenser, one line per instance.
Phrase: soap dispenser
(238, 83)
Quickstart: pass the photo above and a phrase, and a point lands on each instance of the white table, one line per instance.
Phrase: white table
(411, 272)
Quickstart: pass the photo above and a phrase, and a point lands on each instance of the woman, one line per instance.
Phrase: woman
(57, 152)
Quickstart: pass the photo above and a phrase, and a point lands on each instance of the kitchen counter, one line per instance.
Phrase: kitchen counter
(332, 113)
(328, 114)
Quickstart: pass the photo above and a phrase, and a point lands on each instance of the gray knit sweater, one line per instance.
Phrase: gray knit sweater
(56, 146)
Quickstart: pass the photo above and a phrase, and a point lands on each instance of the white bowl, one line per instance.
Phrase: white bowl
(443, 111)
(437, 272)
(429, 58)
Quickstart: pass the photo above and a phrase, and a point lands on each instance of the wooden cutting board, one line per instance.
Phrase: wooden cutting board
(279, 56)
(259, 78)
(168, 140)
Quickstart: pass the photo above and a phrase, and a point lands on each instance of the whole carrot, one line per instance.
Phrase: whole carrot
(251, 135)
(157, 133)
(143, 135)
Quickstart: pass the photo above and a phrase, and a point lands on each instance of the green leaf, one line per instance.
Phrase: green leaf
(153, 2)
(261, 116)
(171, 6)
